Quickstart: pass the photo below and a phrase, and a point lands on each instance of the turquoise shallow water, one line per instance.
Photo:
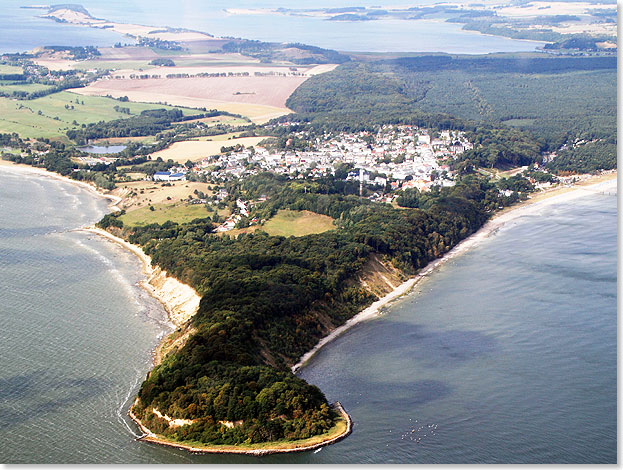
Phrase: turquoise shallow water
(506, 354)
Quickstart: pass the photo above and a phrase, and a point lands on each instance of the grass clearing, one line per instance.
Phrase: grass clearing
(287, 223)
(10, 69)
(180, 213)
(151, 192)
(25, 87)
(298, 223)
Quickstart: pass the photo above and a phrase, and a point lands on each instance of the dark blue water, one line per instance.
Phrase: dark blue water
(507, 354)
(23, 31)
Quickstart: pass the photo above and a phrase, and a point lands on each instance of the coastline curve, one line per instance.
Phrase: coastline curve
(260, 450)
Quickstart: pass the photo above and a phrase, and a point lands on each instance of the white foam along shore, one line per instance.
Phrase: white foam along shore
(179, 300)
(557, 196)
(114, 200)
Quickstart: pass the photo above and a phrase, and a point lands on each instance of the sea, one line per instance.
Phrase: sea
(23, 29)
(505, 354)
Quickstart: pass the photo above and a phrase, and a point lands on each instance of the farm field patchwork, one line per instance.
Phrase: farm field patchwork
(258, 98)
(52, 115)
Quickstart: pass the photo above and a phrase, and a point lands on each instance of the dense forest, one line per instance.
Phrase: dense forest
(551, 100)
(266, 300)
(297, 53)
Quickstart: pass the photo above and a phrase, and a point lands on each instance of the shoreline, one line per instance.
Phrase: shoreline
(181, 301)
(259, 451)
(540, 199)
(114, 200)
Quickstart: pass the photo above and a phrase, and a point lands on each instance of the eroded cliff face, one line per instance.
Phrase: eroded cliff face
(379, 276)
(180, 300)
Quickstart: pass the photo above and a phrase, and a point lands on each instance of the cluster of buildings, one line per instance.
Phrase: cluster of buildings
(242, 210)
(174, 175)
(402, 156)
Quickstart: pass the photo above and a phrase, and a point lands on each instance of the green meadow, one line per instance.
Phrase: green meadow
(180, 213)
(51, 116)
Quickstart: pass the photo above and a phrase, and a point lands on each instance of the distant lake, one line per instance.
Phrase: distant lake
(103, 149)
(22, 30)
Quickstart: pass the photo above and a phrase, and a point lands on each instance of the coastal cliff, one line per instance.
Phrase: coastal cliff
(214, 371)
(180, 300)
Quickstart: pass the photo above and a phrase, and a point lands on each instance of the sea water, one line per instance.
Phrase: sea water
(506, 354)
(23, 29)
(77, 332)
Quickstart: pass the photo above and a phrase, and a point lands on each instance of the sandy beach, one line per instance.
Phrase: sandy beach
(114, 200)
(606, 183)
(179, 300)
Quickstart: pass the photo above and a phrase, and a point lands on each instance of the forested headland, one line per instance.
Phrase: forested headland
(266, 300)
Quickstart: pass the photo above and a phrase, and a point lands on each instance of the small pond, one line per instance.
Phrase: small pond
(101, 149)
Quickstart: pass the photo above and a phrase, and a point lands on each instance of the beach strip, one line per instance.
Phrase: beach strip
(342, 429)
(179, 300)
(607, 185)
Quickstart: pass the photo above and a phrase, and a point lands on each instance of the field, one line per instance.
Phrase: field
(287, 223)
(229, 120)
(10, 69)
(150, 192)
(198, 149)
(198, 66)
(180, 213)
(113, 64)
(259, 98)
(25, 87)
(150, 139)
(53, 115)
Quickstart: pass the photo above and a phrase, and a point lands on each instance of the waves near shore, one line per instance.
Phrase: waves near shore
(529, 207)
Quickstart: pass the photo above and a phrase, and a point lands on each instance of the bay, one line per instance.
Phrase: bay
(25, 30)
(506, 354)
